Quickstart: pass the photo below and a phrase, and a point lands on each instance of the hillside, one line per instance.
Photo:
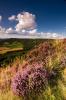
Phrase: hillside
(12, 48)
(41, 64)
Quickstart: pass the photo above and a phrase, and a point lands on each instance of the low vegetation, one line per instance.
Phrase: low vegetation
(38, 72)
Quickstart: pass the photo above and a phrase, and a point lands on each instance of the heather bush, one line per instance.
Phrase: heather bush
(38, 80)
(29, 81)
(34, 79)
(44, 69)
(20, 84)
(41, 53)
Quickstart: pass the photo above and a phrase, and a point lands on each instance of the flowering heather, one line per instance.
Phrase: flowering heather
(29, 80)
(20, 83)
(38, 80)
(41, 53)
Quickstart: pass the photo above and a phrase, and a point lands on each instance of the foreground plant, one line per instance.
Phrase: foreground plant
(34, 79)
(30, 81)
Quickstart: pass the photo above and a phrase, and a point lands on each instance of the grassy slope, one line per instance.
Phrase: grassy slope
(8, 95)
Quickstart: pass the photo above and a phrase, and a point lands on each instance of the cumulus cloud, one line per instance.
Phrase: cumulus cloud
(26, 21)
(2, 30)
(0, 18)
(33, 32)
(25, 28)
(11, 18)
(10, 30)
(24, 35)
(11, 33)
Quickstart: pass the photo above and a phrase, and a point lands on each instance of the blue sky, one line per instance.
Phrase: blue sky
(50, 15)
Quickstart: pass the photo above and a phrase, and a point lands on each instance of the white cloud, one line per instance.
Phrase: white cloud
(11, 18)
(26, 21)
(25, 28)
(49, 35)
(25, 24)
(11, 33)
(0, 18)
(33, 32)
(2, 30)
(24, 35)
(10, 30)
(23, 31)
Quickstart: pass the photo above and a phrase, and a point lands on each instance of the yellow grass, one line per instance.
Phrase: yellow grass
(5, 50)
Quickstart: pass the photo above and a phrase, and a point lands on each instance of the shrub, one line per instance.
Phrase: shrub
(38, 81)
(56, 72)
(20, 83)
(41, 53)
(29, 80)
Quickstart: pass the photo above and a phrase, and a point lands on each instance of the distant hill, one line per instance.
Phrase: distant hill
(16, 43)
(11, 48)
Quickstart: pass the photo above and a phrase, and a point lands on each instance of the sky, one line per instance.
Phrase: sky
(32, 18)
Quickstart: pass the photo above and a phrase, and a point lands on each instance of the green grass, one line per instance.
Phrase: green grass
(15, 44)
